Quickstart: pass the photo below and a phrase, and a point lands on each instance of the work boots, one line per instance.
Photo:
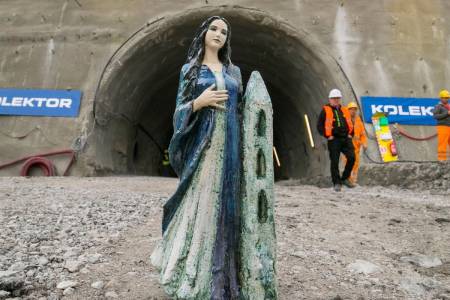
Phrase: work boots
(348, 183)
(337, 187)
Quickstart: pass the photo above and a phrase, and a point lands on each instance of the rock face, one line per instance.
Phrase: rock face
(4, 294)
(111, 295)
(51, 234)
(420, 176)
(68, 291)
(364, 267)
(258, 241)
(66, 284)
(41, 61)
(422, 260)
(73, 265)
(98, 285)
(317, 239)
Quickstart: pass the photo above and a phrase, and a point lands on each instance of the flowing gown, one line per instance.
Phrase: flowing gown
(198, 254)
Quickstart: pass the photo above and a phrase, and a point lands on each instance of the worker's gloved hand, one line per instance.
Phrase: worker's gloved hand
(331, 138)
(349, 136)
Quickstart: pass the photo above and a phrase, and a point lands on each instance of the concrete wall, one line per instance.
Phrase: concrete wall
(386, 48)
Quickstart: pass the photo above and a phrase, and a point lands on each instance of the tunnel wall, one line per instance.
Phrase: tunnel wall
(385, 48)
(139, 84)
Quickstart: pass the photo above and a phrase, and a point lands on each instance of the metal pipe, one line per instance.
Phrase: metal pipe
(311, 140)
(276, 157)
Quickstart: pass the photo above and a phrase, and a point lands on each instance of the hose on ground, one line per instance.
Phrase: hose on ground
(46, 166)
(38, 160)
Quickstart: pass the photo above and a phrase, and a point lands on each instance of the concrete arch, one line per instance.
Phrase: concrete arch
(135, 98)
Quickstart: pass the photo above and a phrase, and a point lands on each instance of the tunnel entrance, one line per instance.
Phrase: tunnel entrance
(135, 100)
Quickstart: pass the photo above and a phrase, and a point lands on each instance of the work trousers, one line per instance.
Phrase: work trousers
(335, 147)
(354, 173)
(443, 133)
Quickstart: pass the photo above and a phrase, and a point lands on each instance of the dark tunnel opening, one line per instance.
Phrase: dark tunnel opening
(136, 99)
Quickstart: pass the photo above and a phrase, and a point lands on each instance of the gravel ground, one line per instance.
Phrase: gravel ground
(90, 238)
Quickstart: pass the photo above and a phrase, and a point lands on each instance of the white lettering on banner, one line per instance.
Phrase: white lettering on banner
(52, 102)
(4, 102)
(403, 111)
(376, 108)
(427, 110)
(65, 103)
(391, 109)
(27, 102)
(39, 100)
(36, 102)
(414, 111)
(16, 101)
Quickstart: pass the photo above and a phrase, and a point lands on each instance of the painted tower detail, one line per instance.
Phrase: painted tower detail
(258, 240)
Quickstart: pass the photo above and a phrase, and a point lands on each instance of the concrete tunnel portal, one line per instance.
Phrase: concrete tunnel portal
(135, 100)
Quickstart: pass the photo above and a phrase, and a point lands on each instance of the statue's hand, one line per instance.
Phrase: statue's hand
(212, 98)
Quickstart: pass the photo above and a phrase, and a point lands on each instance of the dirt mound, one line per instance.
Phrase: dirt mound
(417, 176)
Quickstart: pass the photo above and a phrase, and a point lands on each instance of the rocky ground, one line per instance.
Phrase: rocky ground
(90, 238)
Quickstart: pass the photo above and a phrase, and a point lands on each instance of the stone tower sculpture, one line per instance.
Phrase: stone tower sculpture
(258, 240)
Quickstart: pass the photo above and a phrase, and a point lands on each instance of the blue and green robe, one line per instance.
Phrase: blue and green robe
(198, 256)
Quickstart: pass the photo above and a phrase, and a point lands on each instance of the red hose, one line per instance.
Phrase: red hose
(38, 160)
(46, 166)
(405, 134)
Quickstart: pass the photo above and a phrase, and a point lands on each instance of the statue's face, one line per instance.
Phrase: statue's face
(216, 35)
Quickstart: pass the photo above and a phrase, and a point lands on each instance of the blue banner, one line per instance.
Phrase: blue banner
(51, 103)
(408, 111)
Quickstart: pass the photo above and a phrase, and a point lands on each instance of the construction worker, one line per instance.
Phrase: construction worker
(165, 168)
(336, 126)
(359, 138)
(441, 113)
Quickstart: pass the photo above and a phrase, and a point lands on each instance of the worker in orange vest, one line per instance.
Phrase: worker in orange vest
(336, 126)
(165, 168)
(441, 113)
(359, 138)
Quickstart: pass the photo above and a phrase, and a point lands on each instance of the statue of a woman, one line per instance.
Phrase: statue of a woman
(198, 255)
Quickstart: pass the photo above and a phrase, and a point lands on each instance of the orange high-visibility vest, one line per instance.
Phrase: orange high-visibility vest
(329, 120)
(360, 133)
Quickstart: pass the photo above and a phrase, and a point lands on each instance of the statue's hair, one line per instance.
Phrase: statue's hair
(197, 51)
(197, 48)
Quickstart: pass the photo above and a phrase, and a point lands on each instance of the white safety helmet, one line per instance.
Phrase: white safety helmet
(335, 94)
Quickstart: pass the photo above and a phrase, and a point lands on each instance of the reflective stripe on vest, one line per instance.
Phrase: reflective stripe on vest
(329, 120)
